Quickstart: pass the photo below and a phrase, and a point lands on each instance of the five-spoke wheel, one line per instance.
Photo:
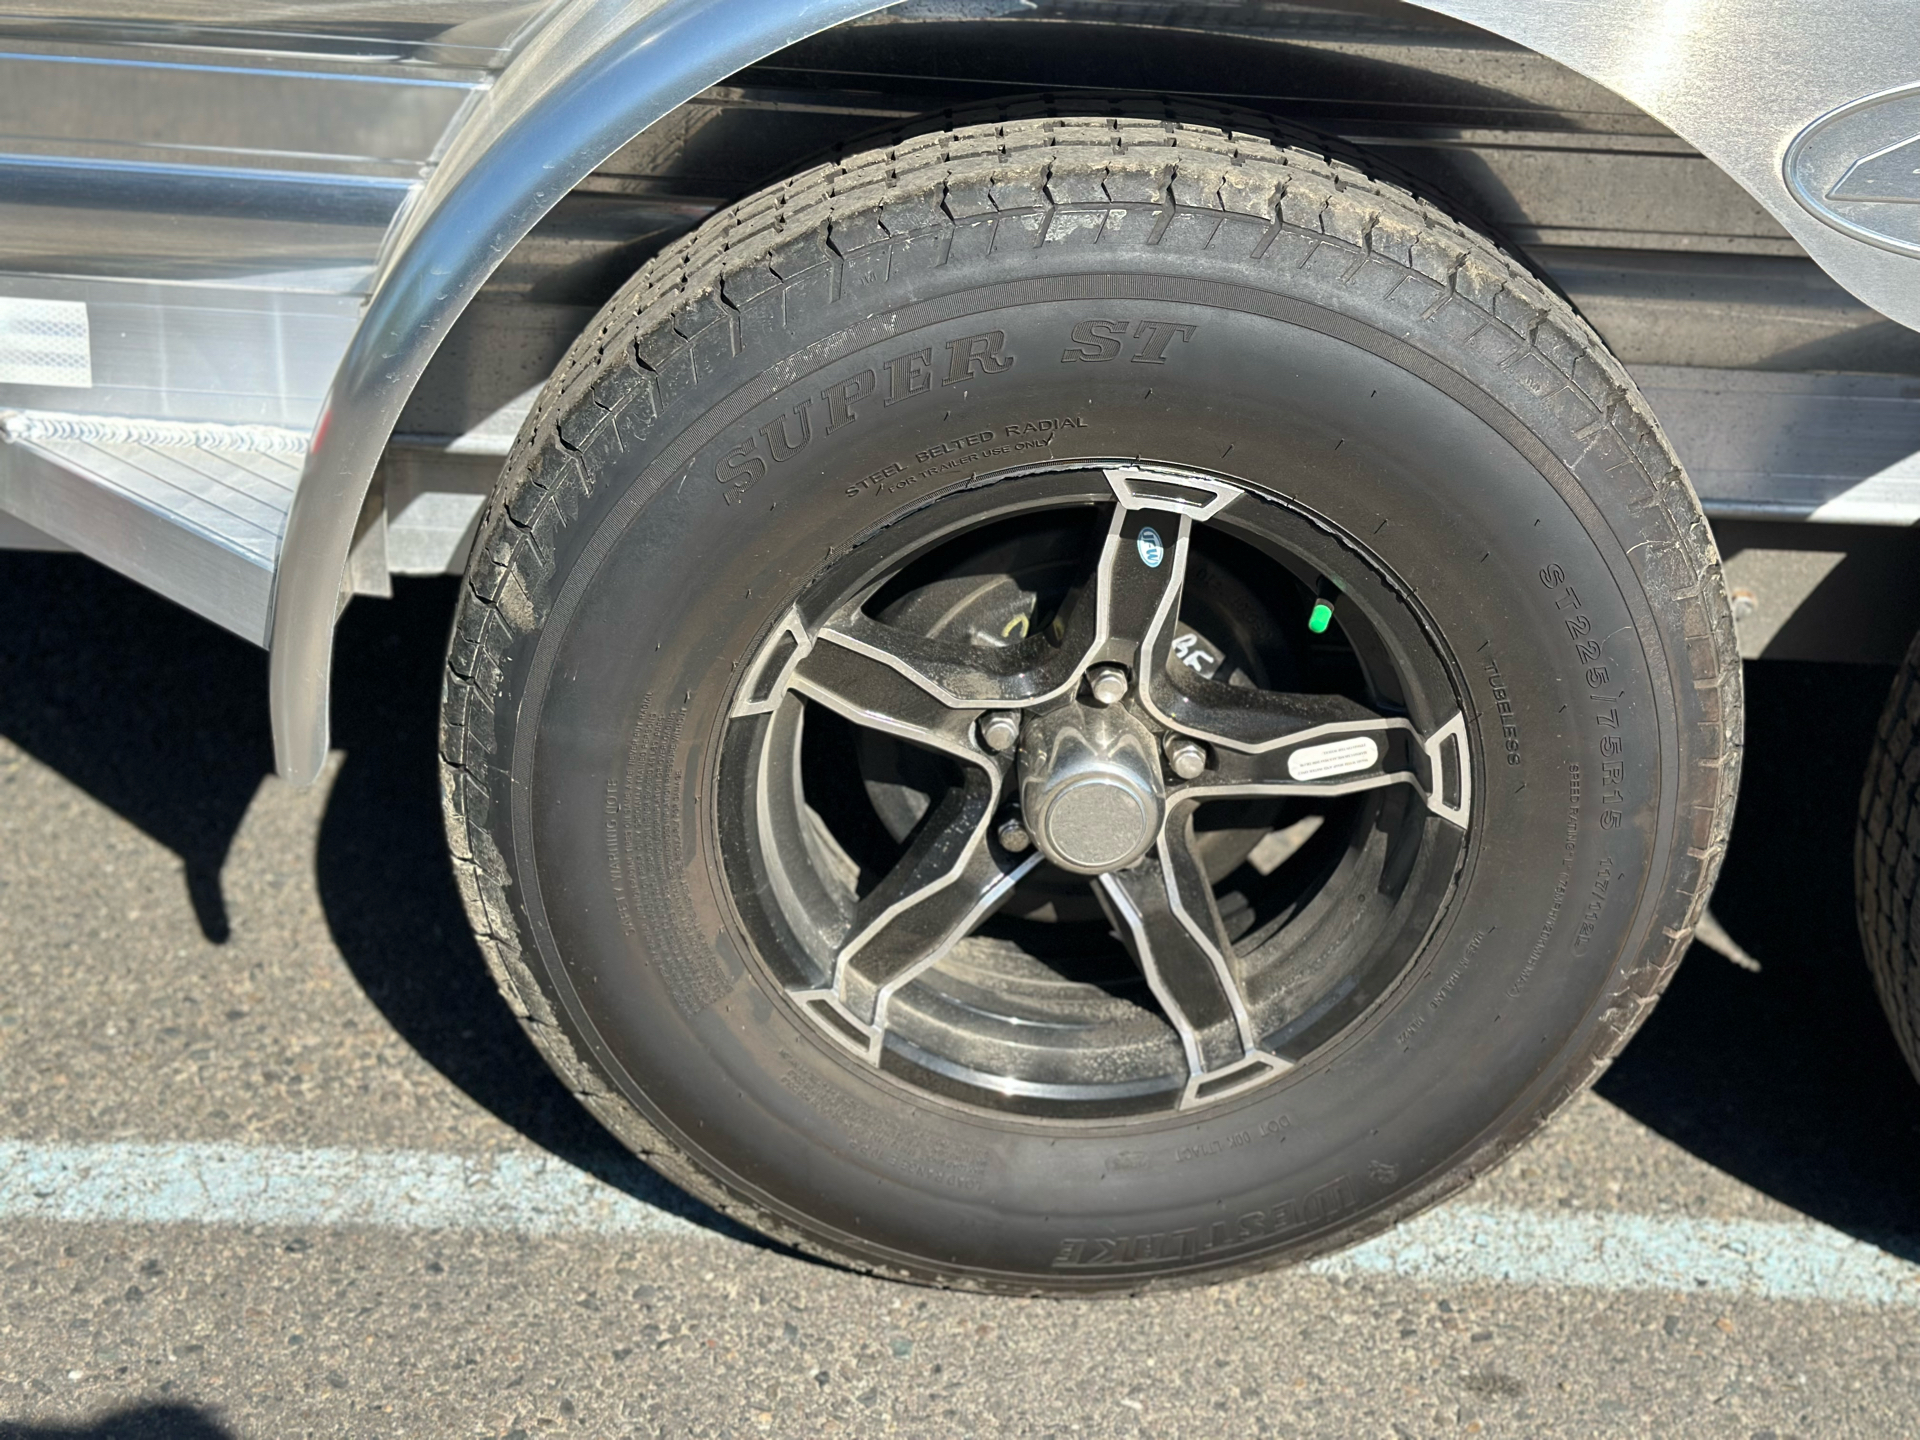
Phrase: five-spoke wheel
(1090, 740)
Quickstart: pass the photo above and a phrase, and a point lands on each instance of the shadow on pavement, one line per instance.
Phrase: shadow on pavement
(153, 712)
(162, 718)
(396, 915)
(142, 1422)
(1788, 1080)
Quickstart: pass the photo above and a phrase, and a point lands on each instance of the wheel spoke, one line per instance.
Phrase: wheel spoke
(1143, 562)
(1143, 566)
(874, 693)
(950, 879)
(1028, 672)
(1134, 589)
(1337, 756)
(1165, 912)
(1250, 721)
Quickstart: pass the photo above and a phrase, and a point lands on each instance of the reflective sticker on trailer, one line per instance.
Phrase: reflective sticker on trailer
(45, 342)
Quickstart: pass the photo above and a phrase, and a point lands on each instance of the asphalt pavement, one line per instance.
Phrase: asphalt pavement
(275, 1163)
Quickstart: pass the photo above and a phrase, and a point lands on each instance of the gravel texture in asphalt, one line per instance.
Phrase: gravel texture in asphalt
(275, 1163)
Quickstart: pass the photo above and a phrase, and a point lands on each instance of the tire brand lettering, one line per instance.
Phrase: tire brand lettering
(895, 379)
(740, 466)
(1094, 342)
(973, 355)
(780, 444)
(1317, 1207)
(841, 399)
(909, 374)
(1154, 338)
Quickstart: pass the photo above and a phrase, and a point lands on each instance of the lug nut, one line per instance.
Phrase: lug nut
(1013, 835)
(1108, 684)
(1187, 758)
(1000, 731)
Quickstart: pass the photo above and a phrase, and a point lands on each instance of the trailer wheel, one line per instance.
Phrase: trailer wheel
(1084, 703)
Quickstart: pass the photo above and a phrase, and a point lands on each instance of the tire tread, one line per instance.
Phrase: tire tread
(1886, 858)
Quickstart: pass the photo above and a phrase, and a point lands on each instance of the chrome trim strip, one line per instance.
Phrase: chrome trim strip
(1218, 962)
(1122, 903)
(356, 77)
(795, 628)
(1456, 731)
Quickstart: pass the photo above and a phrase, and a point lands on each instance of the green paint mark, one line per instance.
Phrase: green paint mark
(1321, 617)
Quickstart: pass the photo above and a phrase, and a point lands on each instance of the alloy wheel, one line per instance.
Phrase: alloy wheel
(1146, 687)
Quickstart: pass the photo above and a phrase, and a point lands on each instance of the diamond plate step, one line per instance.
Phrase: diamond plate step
(193, 511)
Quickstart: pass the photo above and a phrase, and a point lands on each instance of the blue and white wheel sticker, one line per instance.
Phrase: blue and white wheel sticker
(1151, 550)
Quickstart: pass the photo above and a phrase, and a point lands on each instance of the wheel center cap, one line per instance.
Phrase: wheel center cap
(1095, 823)
(1090, 787)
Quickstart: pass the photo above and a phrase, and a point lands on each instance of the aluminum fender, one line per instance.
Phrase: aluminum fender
(1739, 80)
(596, 74)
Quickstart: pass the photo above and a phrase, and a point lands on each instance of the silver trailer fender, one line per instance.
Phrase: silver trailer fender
(1792, 100)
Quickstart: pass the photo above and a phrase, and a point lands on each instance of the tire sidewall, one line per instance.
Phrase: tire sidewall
(622, 892)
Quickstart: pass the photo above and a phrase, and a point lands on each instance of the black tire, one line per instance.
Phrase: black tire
(1886, 858)
(1368, 364)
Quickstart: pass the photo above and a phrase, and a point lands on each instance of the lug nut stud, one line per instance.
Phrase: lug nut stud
(1013, 835)
(1000, 731)
(1107, 683)
(1186, 758)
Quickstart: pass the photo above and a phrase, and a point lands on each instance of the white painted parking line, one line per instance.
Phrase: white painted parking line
(1612, 1250)
(217, 1184)
(223, 1184)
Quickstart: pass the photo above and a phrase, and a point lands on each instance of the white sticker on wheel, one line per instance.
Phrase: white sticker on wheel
(1336, 757)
